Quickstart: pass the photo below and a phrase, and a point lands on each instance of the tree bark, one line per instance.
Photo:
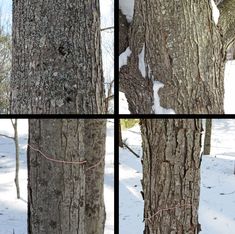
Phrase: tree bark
(66, 197)
(207, 141)
(56, 65)
(183, 49)
(171, 175)
(123, 32)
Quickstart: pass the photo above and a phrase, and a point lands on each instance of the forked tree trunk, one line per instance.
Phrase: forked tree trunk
(207, 141)
(64, 197)
(171, 175)
(183, 49)
(56, 63)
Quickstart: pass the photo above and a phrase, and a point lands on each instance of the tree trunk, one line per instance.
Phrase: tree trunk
(207, 141)
(120, 135)
(181, 48)
(65, 197)
(57, 65)
(171, 175)
(16, 141)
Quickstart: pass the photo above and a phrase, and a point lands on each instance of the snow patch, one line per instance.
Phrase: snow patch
(229, 84)
(123, 57)
(215, 12)
(123, 104)
(141, 62)
(127, 8)
(157, 108)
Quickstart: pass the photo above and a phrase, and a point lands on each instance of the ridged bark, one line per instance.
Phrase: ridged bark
(66, 198)
(207, 141)
(171, 175)
(183, 50)
(56, 66)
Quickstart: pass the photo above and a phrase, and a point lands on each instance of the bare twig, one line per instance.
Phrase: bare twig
(165, 209)
(108, 28)
(131, 150)
(3, 135)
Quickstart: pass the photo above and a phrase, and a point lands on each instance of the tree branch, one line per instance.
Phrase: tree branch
(108, 28)
(130, 149)
(3, 135)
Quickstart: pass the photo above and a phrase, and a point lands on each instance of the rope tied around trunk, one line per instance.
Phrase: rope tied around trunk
(63, 161)
(165, 209)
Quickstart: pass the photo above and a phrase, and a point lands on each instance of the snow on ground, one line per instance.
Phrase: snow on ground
(13, 212)
(217, 200)
(130, 201)
(109, 179)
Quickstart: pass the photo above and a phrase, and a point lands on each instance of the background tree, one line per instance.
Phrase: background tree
(182, 48)
(17, 163)
(66, 197)
(171, 175)
(56, 66)
(5, 70)
(207, 141)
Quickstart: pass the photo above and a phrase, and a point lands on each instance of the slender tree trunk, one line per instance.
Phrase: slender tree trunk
(66, 197)
(120, 135)
(181, 48)
(207, 141)
(16, 141)
(171, 175)
(56, 65)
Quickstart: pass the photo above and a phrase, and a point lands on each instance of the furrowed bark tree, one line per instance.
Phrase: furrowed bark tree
(207, 141)
(171, 175)
(56, 65)
(64, 197)
(183, 49)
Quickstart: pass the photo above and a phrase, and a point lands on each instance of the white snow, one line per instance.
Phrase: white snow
(215, 12)
(130, 173)
(127, 8)
(123, 57)
(123, 105)
(13, 212)
(142, 63)
(229, 87)
(157, 107)
(217, 200)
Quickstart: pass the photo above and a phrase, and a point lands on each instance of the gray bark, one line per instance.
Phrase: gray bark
(66, 198)
(207, 141)
(123, 32)
(171, 175)
(56, 65)
(184, 50)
